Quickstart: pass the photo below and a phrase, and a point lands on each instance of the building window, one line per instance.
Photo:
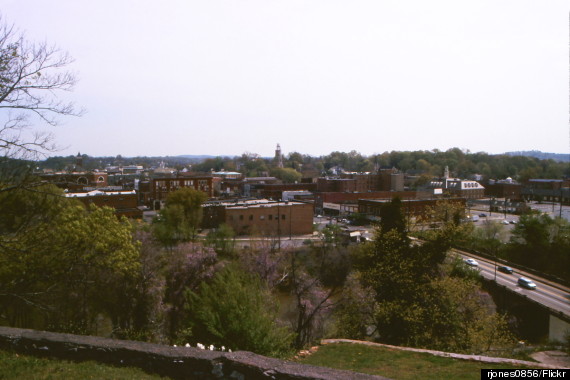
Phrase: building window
(251, 217)
(262, 217)
(283, 216)
(241, 217)
(270, 217)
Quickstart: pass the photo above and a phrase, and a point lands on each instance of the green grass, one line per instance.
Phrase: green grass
(16, 366)
(396, 364)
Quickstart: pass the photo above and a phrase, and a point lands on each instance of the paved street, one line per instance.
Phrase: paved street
(552, 295)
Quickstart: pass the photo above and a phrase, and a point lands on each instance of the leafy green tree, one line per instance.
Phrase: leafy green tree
(392, 216)
(354, 311)
(222, 240)
(187, 266)
(145, 319)
(216, 164)
(287, 175)
(315, 277)
(181, 216)
(489, 238)
(542, 243)
(418, 304)
(296, 160)
(447, 216)
(415, 301)
(460, 318)
(252, 165)
(358, 219)
(235, 310)
(67, 270)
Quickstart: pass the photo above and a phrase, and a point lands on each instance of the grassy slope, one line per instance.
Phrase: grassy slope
(396, 364)
(393, 364)
(16, 366)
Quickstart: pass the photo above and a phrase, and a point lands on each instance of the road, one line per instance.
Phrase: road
(554, 296)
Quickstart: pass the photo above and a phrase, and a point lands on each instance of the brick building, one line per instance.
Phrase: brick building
(261, 217)
(124, 202)
(161, 187)
(410, 207)
(503, 189)
(383, 180)
(550, 190)
(275, 191)
(324, 201)
(336, 185)
(154, 192)
(460, 188)
(253, 186)
(75, 181)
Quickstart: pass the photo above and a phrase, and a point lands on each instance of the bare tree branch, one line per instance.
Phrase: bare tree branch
(32, 75)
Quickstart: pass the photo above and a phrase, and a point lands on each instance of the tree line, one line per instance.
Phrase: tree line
(68, 268)
(296, 165)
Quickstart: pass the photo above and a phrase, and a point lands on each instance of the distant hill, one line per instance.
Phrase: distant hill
(200, 157)
(196, 156)
(562, 157)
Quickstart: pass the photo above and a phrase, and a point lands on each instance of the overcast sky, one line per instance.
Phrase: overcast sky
(227, 77)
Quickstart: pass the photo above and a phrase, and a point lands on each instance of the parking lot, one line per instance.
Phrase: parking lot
(552, 209)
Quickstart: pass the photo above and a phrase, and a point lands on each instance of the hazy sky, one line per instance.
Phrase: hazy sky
(226, 77)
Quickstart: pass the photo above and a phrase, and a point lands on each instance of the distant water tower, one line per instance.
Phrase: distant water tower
(278, 156)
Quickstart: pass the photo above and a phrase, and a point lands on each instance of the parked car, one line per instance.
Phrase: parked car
(512, 222)
(506, 222)
(526, 283)
(483, 215)
(505, 269)
(471, 262)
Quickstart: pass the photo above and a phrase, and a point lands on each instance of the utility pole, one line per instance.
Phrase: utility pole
(560, 199)
(278, 226)
(290, 223)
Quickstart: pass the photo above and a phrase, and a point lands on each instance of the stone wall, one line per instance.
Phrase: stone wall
(174, 362)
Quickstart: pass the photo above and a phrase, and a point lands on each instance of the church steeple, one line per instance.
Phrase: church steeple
(278, 156)
(78, 161)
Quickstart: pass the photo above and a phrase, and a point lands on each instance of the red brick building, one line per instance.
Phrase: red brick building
(502, 189)
(263, 217)
(383, 180)
(410, 207)
(124, 202)
(336, 185)
(76, 180)
(161, 187)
